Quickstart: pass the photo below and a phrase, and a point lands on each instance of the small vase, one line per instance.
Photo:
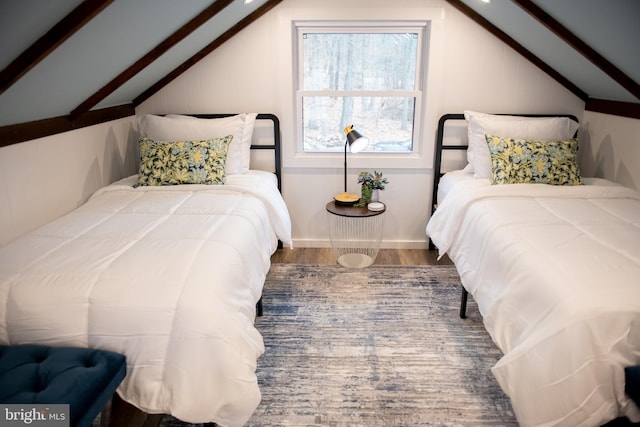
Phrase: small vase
(375, 195)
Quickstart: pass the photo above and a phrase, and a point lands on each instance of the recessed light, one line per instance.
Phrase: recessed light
(249, 1)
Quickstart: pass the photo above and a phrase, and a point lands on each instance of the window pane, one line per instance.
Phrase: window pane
(362, 61)
(386, 121)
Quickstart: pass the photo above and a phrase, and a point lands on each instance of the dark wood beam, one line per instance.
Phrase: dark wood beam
(215, 8)
(50, 41)
(518, 48)
(13, 134)
(617, 108)
(206, 51)
(587, 51)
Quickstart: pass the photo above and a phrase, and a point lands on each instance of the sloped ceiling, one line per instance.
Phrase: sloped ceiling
(121, 33)
(70, 63)
(587, 45)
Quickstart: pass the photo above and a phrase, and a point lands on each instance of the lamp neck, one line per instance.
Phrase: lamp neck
(345, 165)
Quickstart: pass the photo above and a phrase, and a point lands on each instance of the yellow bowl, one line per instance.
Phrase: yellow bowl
(346, 199)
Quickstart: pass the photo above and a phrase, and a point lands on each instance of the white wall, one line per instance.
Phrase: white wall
(468, 68)
(43, 179)
(610, 148)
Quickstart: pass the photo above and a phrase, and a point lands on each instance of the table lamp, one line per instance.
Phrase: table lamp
(356, 143)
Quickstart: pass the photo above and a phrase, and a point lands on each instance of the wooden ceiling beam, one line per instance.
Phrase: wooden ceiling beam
(215, 8)
(617, 108)
(13, 134)
(475, 16)
(53, 38)
(205, 51)
(574, 41)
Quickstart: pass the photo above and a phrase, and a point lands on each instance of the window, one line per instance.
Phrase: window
(366, 76)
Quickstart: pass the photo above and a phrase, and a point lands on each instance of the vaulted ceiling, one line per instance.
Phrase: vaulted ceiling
(587, 45)
(72, 63)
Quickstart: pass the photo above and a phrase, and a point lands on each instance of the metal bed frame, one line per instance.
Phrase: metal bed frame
(437, 172)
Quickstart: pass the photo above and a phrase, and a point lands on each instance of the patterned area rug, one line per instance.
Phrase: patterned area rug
(380, 346)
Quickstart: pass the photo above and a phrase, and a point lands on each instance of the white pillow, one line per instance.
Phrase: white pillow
(179, 128)
(517, 127)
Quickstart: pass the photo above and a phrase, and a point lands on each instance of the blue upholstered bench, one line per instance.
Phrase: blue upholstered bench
(84, 378)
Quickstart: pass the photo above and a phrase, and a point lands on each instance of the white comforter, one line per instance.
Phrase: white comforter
(168, 276)
(555, 272)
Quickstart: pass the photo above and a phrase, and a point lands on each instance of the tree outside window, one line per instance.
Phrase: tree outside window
(367, 77)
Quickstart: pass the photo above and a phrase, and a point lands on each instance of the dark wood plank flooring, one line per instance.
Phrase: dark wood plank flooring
(385, 256)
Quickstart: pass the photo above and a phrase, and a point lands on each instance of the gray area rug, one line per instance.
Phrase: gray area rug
(380, 346)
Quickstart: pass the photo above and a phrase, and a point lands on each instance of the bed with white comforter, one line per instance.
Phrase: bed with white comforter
(555, 271)
(169, 276)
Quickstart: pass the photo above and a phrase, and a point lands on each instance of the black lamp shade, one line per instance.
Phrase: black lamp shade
(356, 141)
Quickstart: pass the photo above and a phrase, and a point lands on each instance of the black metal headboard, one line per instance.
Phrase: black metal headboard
(437, 164)
(440, 147)
(276, 146)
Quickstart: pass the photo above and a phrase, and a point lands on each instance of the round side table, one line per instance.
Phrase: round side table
(355, 234)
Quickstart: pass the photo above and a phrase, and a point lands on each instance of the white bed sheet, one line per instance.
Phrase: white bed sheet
(168, 276)
(555, 272)
(449, 180)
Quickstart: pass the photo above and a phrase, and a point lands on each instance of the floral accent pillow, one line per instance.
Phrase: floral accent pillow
(183, 162)
(516, 161)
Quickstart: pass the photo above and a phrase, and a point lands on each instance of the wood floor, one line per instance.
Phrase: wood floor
(385, 256)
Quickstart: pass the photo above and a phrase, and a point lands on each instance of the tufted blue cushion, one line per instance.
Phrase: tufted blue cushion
(632, 383)
(84, 378)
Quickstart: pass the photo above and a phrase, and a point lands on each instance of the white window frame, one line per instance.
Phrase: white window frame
(419, 27)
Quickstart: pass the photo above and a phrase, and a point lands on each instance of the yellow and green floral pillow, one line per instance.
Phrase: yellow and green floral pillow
(516, 161)
(183, 162)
